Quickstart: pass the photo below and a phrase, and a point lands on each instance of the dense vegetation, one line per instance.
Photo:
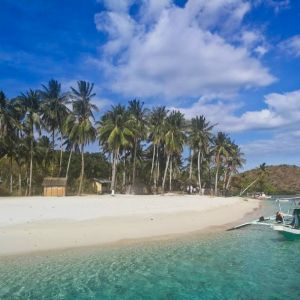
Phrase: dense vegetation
(282, 179)
(45, 133)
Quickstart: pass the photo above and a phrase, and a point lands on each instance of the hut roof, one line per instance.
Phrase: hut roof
(102, 180)
(54, 181)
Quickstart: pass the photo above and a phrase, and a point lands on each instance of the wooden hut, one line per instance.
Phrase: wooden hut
(101, 185)
(55, 186)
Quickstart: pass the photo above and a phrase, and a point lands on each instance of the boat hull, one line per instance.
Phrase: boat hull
(287, 232)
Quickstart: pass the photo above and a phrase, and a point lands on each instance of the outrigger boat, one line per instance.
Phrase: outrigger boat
(287, 224)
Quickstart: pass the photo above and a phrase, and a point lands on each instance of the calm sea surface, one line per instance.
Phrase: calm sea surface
(250, 263)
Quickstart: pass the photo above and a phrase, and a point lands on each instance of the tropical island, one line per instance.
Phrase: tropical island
(45, 133)
(149, 149)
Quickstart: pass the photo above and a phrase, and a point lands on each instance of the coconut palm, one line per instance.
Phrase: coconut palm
(55, 112)
(44, 152)
(7, 121)
(235, 161)
(137, 114)
(83, 130)
(8, 132)
(220, 148)
(21, 156)
(174, 139)
(115, 132)
(29, 104)
(72, 139)
(199, 138)
(157, 119)
(262, 171)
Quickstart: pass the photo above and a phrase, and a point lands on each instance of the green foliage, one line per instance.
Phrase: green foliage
(273, 180)
(141, 149)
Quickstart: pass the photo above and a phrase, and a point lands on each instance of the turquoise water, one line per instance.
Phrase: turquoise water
(251, 263)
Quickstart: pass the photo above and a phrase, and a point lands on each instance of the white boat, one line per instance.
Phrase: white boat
(288, 232)
(286, 224)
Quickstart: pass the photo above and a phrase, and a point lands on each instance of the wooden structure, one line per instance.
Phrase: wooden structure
(101, 185)
(55, 186)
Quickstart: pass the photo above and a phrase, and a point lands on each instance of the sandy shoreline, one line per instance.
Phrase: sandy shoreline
(41, 224)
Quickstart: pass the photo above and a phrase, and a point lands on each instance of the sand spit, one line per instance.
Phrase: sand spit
(45, 223)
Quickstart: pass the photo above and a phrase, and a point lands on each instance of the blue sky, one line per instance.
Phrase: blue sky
(235, 61)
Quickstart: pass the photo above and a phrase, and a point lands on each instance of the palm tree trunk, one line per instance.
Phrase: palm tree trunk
(69, 162)
(124, 173)
(165, 174)
(199, 171)
(26, 176)
(225, 178)
(217, 174)
(11, 176)
(241, 193)
(53, 158)
(61, 153)
(153, 161)
(20, 183)
(171, 171)
(156, 176)
(134, 163)
(30, 168)
(191, 164)
(228, 181)
(113, 175)
(82, 170)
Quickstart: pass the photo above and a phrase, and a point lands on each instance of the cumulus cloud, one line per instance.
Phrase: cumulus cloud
(291, 46)
(102, 103)
(117, 5)
(173, 52)
(282, 113)
(281, 143)
(277, 5)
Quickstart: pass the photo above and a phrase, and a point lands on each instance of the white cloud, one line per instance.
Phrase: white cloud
(291, 46)
(119, 26)
(277, 5)
(282, 113)
(102, 103)
(117, 5)
(282, 143)
(174, 52)
(152, 9)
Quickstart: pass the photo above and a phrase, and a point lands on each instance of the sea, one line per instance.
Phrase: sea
(249, 263)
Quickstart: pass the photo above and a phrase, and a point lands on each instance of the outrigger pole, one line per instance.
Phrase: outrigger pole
(255, 222)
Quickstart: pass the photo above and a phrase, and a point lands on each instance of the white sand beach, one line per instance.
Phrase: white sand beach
(46, 223)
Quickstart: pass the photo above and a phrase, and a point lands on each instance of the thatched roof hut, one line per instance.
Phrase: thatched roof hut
(101, 185)
(54, 186)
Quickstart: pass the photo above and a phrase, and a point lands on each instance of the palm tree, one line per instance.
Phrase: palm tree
(71, 139)
(262, 171)
(157, 119)
(115, 132)
(8, 132)
(138, 126)
(7, 121)
(235, 161)
(83, 116)
(55, 112)
(29, 104)
(44, 152)
(200, 137)
(22, 153)
(221, 145)
(174, 139)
